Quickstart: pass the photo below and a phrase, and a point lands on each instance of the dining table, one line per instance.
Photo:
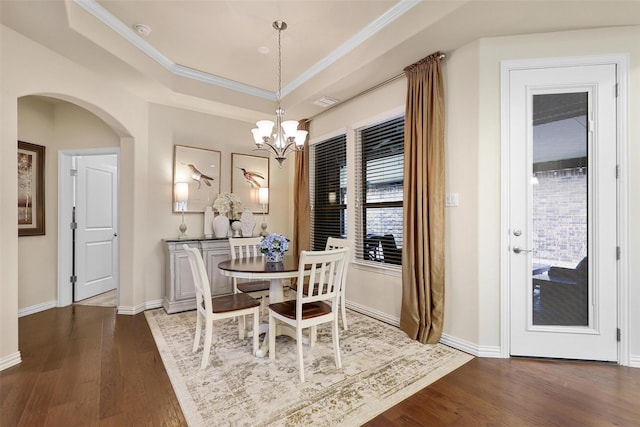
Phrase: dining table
(278, 274)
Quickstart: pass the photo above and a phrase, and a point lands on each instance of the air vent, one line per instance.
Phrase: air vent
(325, 101)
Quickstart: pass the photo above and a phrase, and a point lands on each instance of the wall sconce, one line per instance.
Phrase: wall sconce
(182, 196)
(263, 199)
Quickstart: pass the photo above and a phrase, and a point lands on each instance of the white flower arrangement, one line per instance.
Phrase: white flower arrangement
(227, 204)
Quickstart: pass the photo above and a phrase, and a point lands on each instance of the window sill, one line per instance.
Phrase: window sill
(378, 267)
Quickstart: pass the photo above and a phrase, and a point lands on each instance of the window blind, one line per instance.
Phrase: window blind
(328, 190)
(379, 186)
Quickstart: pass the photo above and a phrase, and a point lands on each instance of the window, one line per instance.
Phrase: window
(328, 191)
(379, 171)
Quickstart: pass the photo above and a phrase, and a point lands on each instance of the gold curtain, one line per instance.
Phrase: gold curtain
(301, 208)
(422, 311)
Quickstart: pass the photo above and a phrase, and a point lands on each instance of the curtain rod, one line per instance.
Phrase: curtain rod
(366, 91)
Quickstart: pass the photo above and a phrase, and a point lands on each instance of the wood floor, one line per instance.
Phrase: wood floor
(87, 366)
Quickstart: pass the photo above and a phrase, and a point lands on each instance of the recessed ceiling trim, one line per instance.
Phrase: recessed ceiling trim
(399, 9)
(130, 35)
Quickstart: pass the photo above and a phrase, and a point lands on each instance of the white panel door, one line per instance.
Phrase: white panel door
(97, 225)
(562, 212)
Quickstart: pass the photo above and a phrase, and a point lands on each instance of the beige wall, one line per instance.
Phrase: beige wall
(146, 134)
(59, 126)
(27, 69)
(171, 126)
(573, 43)
(376, 291)
(473, 149)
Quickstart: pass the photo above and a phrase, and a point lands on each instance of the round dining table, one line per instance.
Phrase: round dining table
(257, 268)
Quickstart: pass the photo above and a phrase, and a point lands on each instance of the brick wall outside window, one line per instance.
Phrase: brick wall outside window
(560, 217)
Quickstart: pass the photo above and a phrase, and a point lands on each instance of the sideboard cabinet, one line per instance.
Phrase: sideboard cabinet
(179, 291)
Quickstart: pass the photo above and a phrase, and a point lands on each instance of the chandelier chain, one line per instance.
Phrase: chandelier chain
(279, 66)
(287, 137)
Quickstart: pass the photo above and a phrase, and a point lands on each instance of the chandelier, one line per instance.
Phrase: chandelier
(287, 137)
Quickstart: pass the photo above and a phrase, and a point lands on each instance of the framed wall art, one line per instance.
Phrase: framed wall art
(200, 169)
(249, 174)
(30, 189)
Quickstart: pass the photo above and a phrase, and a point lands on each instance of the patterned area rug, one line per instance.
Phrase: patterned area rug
(380, 367)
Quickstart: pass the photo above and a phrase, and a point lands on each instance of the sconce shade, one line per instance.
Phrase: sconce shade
(263, 195)
(182, 192)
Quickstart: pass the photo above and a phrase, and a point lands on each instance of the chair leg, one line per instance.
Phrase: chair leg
(256, 330)
(242, 327)
(336, 342)
(272, 337)
(208, 334)
(300, 359)
(196, 338)
(343, 308)
(313, 335)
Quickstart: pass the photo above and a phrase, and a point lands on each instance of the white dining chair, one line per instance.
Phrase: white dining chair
(314, 305)
(209, 309)
(249, 247)
(335, 243)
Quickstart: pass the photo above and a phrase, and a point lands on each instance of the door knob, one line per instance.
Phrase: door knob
(518, 249)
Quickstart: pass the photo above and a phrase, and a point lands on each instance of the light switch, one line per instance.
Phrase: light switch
(451, 199)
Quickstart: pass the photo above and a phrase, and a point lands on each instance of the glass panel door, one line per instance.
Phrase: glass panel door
(560, 189)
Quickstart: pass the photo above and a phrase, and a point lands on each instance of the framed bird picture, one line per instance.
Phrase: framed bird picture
(248, 175)
(200, 168)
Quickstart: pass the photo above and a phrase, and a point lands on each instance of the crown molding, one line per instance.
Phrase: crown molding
(132, 37)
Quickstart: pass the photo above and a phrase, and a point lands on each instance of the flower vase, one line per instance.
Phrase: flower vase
(274, 256)
(236, 227)
(208, 223)
(220, 226)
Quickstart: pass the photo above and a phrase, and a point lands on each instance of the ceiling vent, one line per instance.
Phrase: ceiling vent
(325, 101)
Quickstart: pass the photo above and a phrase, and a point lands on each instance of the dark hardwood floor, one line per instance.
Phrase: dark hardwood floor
(87, 366)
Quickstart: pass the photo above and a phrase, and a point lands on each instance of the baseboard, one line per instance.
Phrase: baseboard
(133, 310)
(462, 345)
(37, 308)
(10, 360)
(367, 311)
(471, 348)
(634, 361)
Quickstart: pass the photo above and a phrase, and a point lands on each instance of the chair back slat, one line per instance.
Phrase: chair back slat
(326, 267)
(245, 247)
(200, 279)
(335, 243)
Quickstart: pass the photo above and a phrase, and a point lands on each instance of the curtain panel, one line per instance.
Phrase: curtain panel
(301, 209)
(422, 310)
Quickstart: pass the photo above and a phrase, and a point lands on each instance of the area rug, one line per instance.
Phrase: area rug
(380, 367)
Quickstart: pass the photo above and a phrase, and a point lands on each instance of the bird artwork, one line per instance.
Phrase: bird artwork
(251, 177)
(198, 176)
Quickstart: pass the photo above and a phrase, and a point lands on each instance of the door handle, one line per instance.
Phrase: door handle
(518, 249)
(114, 236)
